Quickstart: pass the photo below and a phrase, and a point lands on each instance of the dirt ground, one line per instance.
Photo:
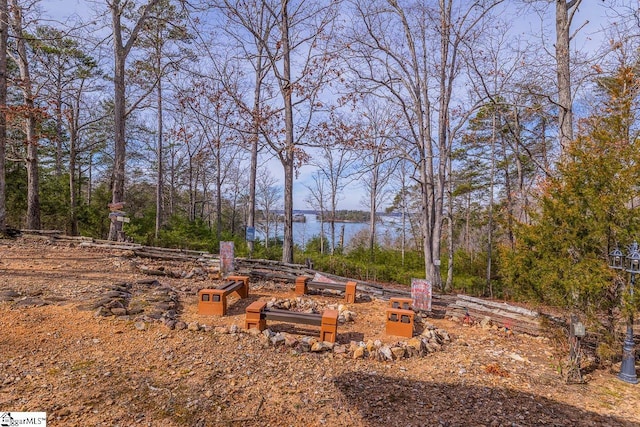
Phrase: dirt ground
(58, 357)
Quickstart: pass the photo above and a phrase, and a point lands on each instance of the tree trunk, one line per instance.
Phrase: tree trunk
(59, 128)
(255, 139)
(119, 109)
(288, 157)
(564, 15)
(159, 153)
(33, 186)
(120, 53)
(3, 112)
(492, 174)
(73, 191)
(372, 212)
(450, 248)
(218, 190)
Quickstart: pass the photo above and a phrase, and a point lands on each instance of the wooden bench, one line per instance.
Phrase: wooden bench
(400, 317)
(258, 314)
(304, 283)
(214, 301)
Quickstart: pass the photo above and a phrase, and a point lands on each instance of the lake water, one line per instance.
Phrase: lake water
(304, 231)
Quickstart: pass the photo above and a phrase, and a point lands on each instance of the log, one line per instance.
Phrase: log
(498, 305)
(478, 308)
(502, 314)
(41, 232)
(105, 246)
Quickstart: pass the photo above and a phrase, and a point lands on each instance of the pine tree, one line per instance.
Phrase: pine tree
(585, 210)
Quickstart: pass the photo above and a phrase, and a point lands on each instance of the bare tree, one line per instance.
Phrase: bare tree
(393, 56)
(336, 162)
(249, 23)
(298, 57)
(121, 50)
(268, 197)
(317, 199)
(378, 164)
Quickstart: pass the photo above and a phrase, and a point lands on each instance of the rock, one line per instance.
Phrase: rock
(119, 311)
(267, 333)
(398, 352)
(99, 303)
(180, 325)
(30, 302)
(485, 322)
(102, 312)
(140, 325)
(370, 346)
(385, 352)
(358, 353)
(516, 357)
(277, 339)
(193, 326)
(170, 323)
(221, 330)
(233, 329)
(415, 343)
(290, 340)
(164, 306)
(340, 349)
(320, 346)
(445, 335)
(254, 331)
(197, 271)
(117, 294)
(264, 341)
(306, 343)
(115, 303)
(8, 295)
(433, 347)
(353, 345)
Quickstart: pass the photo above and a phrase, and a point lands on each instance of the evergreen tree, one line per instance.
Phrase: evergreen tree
(585, 210)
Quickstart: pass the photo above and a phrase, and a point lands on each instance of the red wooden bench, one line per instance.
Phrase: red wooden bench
(214, 301)
(258, 314)
(304, 283)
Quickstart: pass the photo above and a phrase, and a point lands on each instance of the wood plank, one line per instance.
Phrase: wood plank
(293, 317)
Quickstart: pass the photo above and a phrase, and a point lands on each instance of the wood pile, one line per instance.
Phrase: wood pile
(139, 250)
(504, 315)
